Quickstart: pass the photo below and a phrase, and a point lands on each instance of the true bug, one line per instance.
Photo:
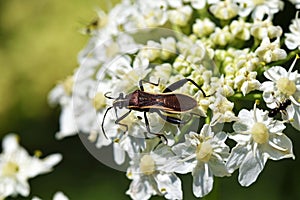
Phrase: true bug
(163, 103)
(280, 108)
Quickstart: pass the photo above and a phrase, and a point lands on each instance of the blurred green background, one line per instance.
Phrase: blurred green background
(39, 43)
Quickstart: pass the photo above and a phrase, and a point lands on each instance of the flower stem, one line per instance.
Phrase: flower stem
(248, 97)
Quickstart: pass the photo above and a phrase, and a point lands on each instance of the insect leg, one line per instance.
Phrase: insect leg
(141, 84)
(121, 118)
(148, 128)
(169, 119)
(174, 120)
(102, 125)
(180, 83)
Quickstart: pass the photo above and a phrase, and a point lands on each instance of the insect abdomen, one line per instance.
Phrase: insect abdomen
(140, 100)
(180, 102)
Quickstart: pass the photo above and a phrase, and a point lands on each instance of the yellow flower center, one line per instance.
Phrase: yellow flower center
(204, 151)
(147, 165)
(286, 86)
(68, 85)
(10, 169)
(260, 133)
(99, 101)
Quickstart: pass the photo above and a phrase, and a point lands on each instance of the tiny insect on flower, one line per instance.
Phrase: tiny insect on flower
(280, 108)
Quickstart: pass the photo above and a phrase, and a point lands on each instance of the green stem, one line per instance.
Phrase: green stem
(248, 97)
(256, 44)
(208, 118)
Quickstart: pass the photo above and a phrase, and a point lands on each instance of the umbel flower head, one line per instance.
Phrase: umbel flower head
(17, 166)
(146, 54)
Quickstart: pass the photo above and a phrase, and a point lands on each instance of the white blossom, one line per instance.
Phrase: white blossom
(292, 40)
(259, 8)
(246, 81)
(262, 29)
(180, 16)
(61, 95)
(203, 27)
(240, 29)
(148, 179)
(168, 47)
(225, 10)
(283, 85)
(152, 13)
(17, 166)
(222, 36)
(258, 138)
(204, 156)
(196, 4)
(270, 51)
(222, 110)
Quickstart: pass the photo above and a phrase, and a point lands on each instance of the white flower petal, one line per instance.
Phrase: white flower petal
(218, 167)
(67, 123)
(275, 73)
(60, 196)
(236, 157)
(23, 188)
(267, 86)
(169, 185)
(182, 167)
(140, 190)
(10, 143)
(45, 165)
(119, 154)
(202, 180)
(296, 118)
(251, 168)
(280, 147)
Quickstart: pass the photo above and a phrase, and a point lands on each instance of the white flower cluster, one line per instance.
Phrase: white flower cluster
(158, 79)
(17, 166)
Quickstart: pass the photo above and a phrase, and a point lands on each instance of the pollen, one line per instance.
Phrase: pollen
(99, 101)
(10, 169)
(286, 86)
(204, 151)
(163, 190)
(260, 133)
(38, 153)
(147, 165)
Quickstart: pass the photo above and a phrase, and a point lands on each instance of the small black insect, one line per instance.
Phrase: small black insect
(281, 107)
(92, 26)
(163, 103)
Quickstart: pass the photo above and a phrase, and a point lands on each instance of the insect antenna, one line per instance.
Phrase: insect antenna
(108, 96)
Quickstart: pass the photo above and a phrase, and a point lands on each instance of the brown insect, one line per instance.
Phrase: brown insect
(163, 103)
